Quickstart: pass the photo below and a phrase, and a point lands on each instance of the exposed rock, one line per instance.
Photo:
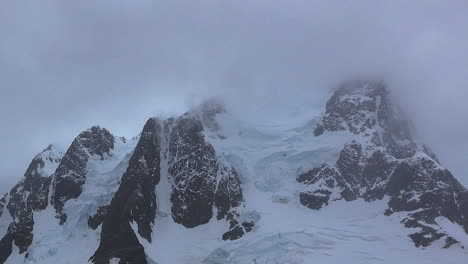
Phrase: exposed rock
(343, 178)
(134, 202)
(450, 241)
(463, 201)
(421, 184)
(29, 195)
(192, 166)
(22, 226)
(3, 202)
(315, 200)
(386, 161)
(70, 176)
(377, 171)
(98, 218)
(234, 233)
(319, 130)
(6, 247)
(350, 164)
(349, 106)
(229, 193)
(200, 180)
(237, 229)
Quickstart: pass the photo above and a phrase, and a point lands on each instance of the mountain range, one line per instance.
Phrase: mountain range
(353, 184)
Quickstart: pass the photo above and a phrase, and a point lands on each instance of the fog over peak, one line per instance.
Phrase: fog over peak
(68, 65)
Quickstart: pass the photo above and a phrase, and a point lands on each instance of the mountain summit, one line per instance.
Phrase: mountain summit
(207, 188)
(383, 161)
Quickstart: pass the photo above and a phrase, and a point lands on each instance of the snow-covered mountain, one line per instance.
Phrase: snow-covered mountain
(350, 185)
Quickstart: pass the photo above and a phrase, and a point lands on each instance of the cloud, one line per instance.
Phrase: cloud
(66, 65)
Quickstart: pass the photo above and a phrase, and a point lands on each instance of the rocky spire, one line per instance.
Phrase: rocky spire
(70, 175)
(134, 202)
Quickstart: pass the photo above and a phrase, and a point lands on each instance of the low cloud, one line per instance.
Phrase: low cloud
(66, 65)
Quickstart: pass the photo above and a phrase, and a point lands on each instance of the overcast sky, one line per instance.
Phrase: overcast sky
(67, 65)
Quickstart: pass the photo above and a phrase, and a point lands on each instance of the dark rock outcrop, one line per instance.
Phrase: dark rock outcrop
(6, 246)
(427, 191)
(237, 229)
(3, 202)
(229, 193)
(201, 182)
(94, 221)
(349, 106)
(192, 167)
(316, 199)
(385, 162)
(29, 195)
(70, 176)
(134, 202)
(463, 201)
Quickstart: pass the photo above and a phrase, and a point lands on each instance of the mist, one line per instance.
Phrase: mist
(68, 65)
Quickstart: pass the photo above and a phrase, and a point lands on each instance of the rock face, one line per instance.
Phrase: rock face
(70, 176)
(2, 204)
(29, 195)
(134, 202)
(200, 182)
(384, 161)
(192, 167)
(229, 192)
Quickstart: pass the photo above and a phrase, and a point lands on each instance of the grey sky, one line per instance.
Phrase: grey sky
(66, 65)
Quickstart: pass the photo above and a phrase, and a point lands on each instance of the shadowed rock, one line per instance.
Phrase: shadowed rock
(386, 161)
(134, 202)
(30, 194)
(70, 176)
(201, 182)
(193, 167)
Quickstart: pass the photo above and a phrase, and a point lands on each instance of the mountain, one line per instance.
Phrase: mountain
(350, 185)
(383, 160)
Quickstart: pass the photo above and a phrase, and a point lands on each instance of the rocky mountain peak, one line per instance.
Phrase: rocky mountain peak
(70, 175)
(134, 202)
(358, 106)
(382, 161)
(45, 163)
(96, 140)
(366, 108)
(130, 201)
(27, 196)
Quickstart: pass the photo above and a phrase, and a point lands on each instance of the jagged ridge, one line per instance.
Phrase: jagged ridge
(384, 161)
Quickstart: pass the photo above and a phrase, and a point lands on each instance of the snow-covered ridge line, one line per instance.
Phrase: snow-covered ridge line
(206, 187)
